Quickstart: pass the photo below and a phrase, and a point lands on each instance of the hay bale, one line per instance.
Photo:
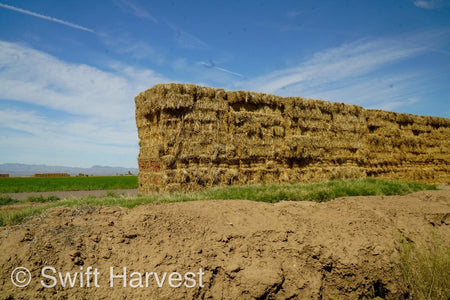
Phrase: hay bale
(51, 175)
(200, 137)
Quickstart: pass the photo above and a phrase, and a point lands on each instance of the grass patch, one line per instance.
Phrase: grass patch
(319, 192)
(42, 199)
(426, 269)
(6, 200)
(17, 217)
(52, 184)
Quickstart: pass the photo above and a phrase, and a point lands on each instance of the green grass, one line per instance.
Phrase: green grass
(426, 269)
(42, 199)
(6, 200)
(51, 184)
(17, 217)
(318, 192)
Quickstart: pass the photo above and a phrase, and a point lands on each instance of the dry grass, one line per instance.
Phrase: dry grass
(426, 269)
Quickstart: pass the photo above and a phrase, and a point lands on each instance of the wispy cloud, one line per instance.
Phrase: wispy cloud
(289, 27)
(28, 136)
(48, 18)
(137, 49)
(284, 27)
(210, 64)
(431, 4)
(73, 88)
(351, 71)
(186, 40)
(99, 104)
(136, 9)
(388, 91)
(347, 61)
(294, 13)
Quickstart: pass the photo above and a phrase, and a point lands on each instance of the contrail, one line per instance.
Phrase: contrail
(27, 12)
(212, 65)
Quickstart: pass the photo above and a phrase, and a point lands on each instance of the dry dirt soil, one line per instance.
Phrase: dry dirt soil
(233, 249)
(69, 194)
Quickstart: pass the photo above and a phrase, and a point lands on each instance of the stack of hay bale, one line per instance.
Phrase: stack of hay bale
(407, 147)
(51, 175)
(193, 137)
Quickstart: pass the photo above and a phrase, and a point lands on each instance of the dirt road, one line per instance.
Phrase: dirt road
(70, 194)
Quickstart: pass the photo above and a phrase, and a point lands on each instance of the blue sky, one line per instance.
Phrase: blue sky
(69, 70)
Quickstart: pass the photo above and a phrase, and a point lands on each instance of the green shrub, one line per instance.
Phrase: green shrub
(5, 200)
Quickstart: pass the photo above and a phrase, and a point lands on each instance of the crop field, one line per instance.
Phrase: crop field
(51, 184)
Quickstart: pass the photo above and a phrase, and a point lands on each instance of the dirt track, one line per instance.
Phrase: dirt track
(70, 194)
(246, 250)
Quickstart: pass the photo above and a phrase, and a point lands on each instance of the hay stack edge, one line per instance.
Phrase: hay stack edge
(193, 137)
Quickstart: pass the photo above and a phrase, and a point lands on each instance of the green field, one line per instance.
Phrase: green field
(52, 184)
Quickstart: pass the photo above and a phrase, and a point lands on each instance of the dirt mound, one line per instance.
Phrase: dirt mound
(221, 249)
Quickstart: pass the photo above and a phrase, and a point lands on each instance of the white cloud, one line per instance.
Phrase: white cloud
(329, 72)
(395, 104)
(362, 72)
(25, 121)
(38, 136)
(135, 9)
(137, 49)
(48, 18)
(346, 61)
(431, 4)
(35, 77)
(386, 92)
(100, 104)
(35, 150)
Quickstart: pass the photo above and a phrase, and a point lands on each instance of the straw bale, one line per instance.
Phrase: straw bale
(51, 175)
(193, 137)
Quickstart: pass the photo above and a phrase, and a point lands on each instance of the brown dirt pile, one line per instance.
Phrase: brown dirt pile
(342, 249)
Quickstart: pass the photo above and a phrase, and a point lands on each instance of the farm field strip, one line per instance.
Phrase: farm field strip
(52, 184)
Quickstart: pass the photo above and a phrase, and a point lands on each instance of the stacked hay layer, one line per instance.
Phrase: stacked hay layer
(408, 147)
(193, 137)
(51, 175)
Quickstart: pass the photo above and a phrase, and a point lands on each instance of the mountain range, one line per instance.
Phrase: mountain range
(30, 170)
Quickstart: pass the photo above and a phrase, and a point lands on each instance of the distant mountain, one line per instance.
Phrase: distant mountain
(30, 170)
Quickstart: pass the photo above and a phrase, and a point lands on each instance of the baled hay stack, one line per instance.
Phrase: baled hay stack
(193, 137)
